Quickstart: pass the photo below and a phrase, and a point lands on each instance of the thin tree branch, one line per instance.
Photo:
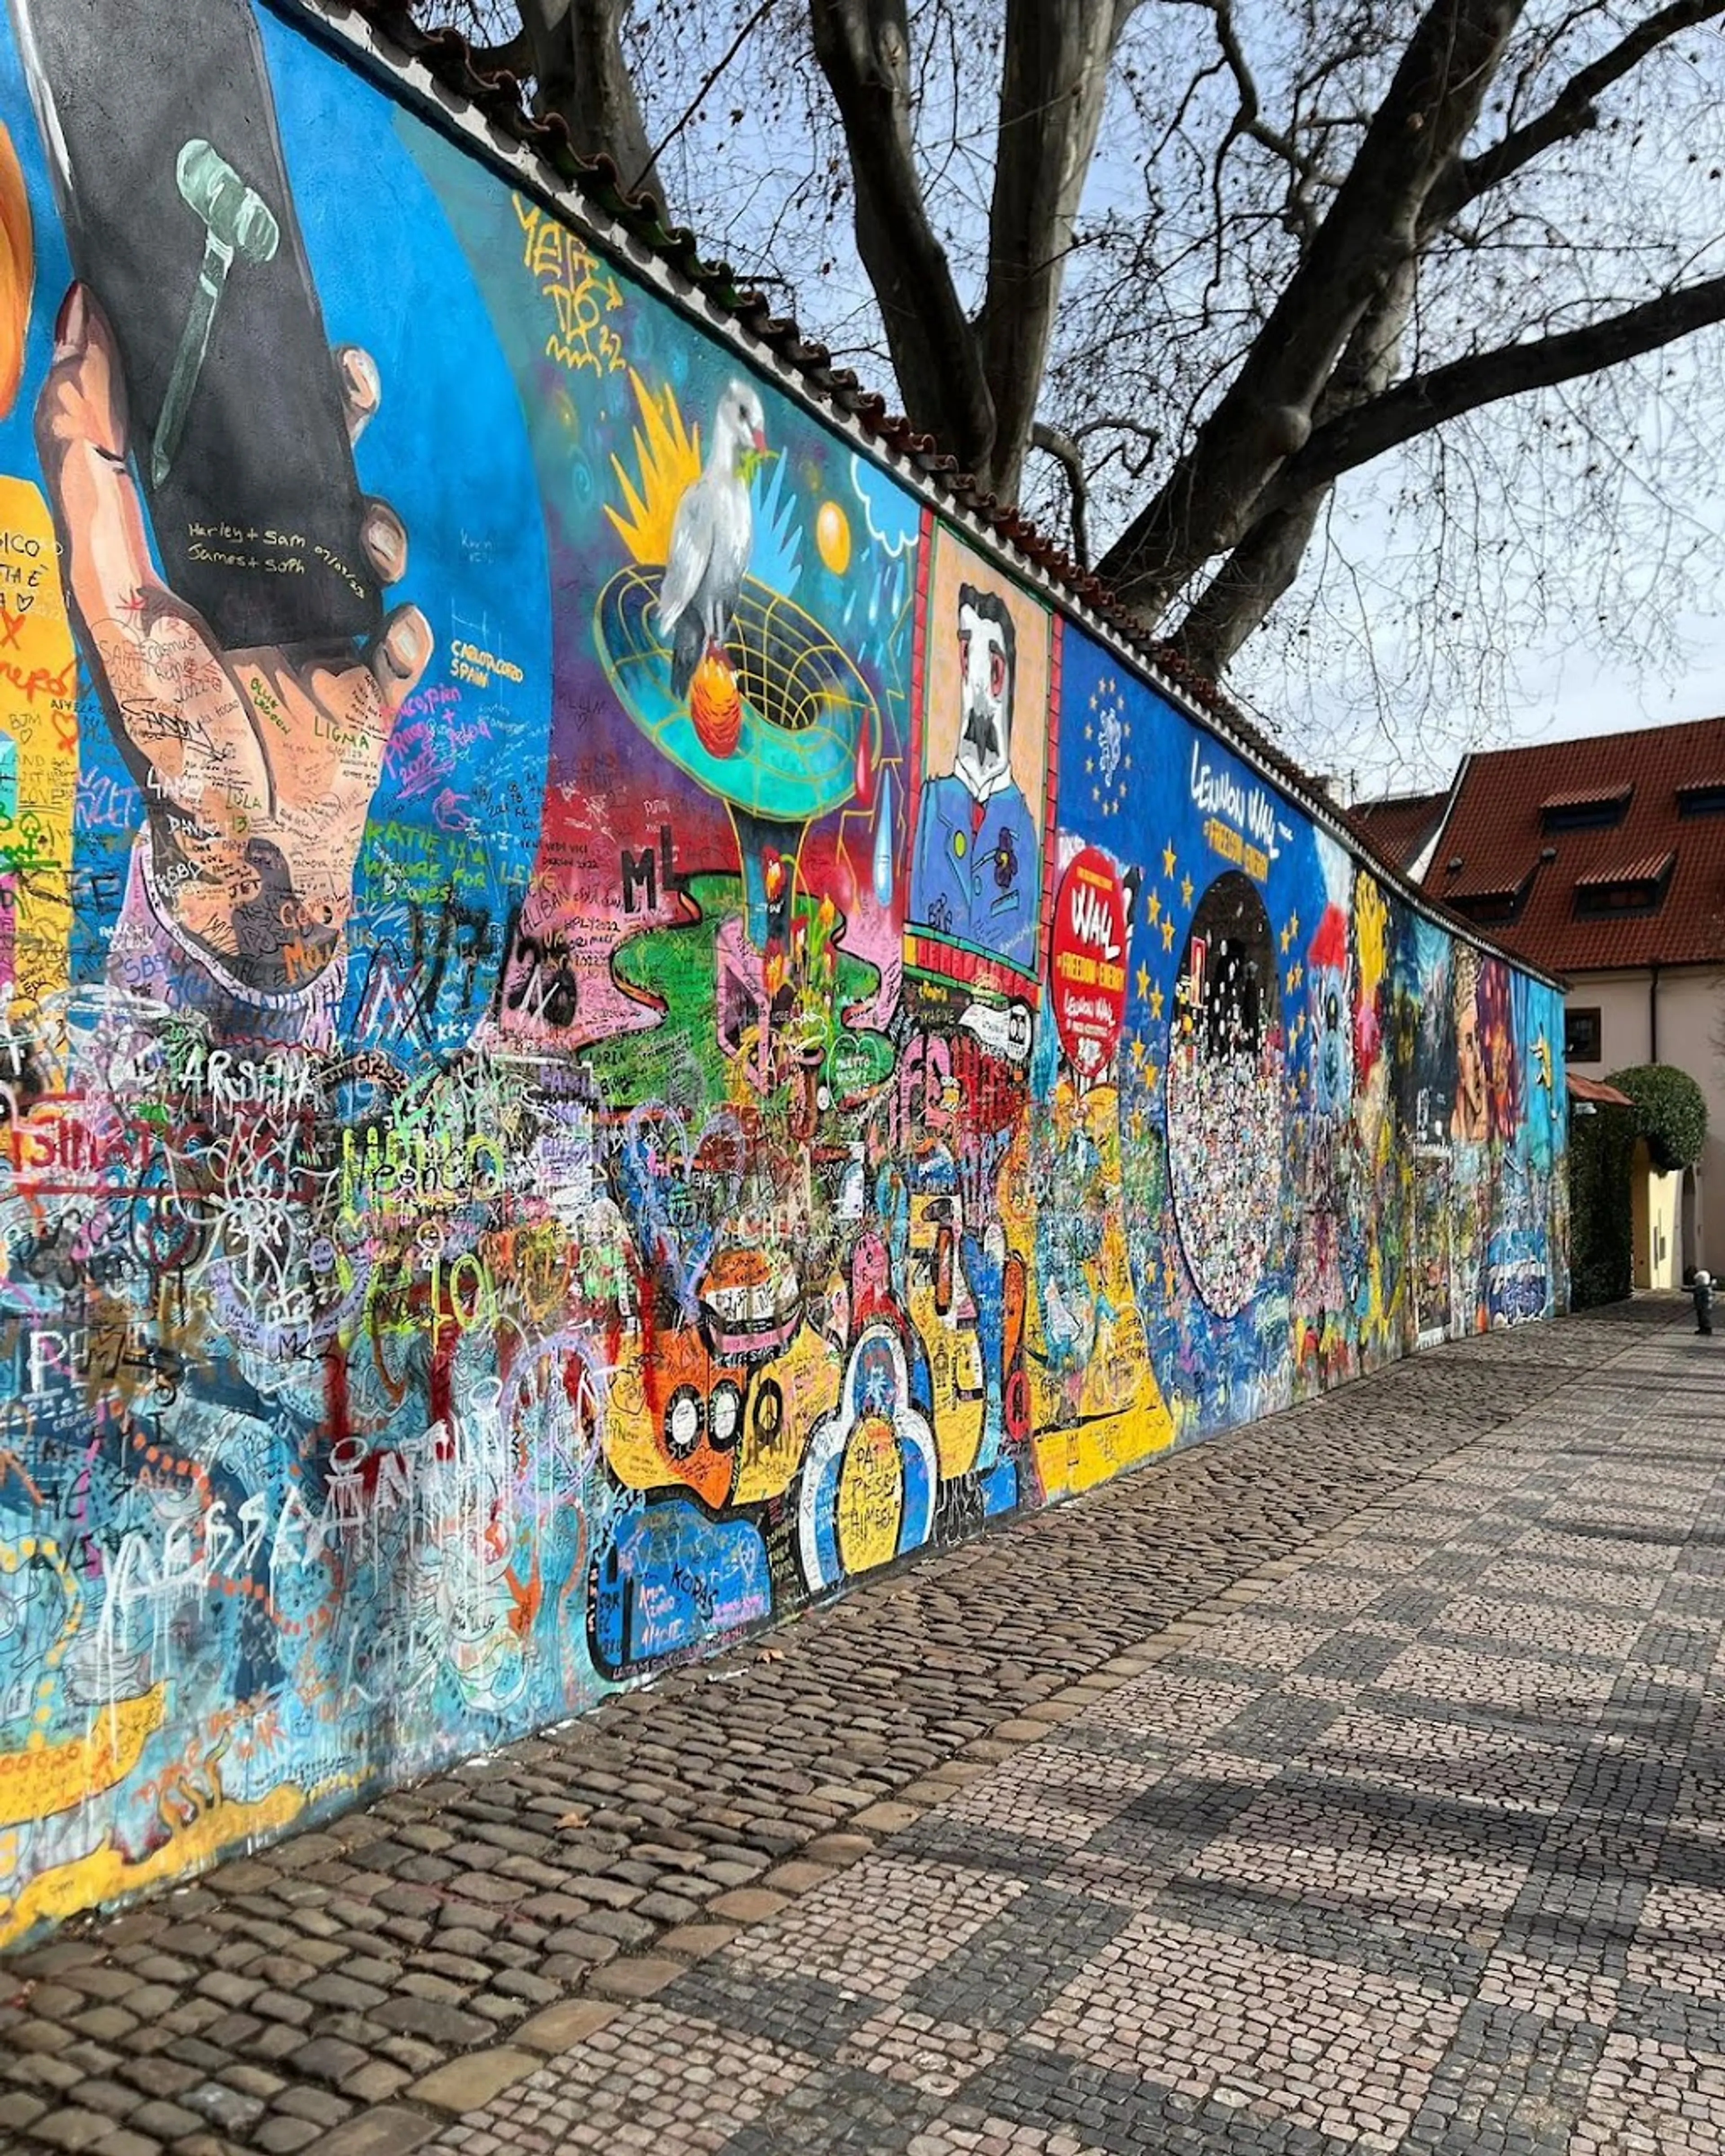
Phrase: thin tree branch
(1063, 448)
(1573, 111)
(1425, 401)
(1248, 118)
(706, 83)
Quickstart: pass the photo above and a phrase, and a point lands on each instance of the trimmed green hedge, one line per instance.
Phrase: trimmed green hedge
(1602, 1149)
(1671, 1112)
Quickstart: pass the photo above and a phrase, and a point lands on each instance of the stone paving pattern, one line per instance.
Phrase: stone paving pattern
(1411, 1843)
(1421, 1848)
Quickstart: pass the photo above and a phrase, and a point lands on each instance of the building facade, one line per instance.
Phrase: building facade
(1605, 859)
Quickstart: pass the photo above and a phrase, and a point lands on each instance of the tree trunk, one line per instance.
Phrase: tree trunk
(1268, 557)
(580, 74)
(1366, 413)
(1370, 231)
(1054, 86)
(864, 49)
(1251, 580)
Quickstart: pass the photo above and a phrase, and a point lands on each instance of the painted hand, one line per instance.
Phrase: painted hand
(258, 768)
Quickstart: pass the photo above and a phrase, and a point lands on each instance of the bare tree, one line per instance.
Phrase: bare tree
(571, 53)
(1210, 259)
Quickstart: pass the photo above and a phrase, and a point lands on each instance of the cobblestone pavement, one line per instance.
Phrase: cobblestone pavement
(1269, 1799)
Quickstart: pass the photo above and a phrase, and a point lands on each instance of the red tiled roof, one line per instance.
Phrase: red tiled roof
(1645, 868)
(1461, 889)
(1587, 796)
(1400, 824)
(1494, 829)
(1596, 1089)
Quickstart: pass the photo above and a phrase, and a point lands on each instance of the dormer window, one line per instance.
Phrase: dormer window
(1585, 808)
(1484, 906)
(1623, 887)
(1491, 904)
(1703, 797)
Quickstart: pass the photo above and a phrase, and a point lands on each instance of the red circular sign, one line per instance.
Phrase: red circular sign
(1087, 962)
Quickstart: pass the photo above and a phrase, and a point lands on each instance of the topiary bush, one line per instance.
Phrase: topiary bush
(1601, 1242)
(1671, 1112)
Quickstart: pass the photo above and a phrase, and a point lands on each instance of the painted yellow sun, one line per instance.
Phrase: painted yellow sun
(832, 537)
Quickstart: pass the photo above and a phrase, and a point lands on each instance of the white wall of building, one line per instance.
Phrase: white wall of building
(1691, 1028)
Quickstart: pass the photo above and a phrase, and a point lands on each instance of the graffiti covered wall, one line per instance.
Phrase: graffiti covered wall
(605, 1023)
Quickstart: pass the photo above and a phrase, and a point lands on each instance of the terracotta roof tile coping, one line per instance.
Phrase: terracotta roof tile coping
(1587, 796)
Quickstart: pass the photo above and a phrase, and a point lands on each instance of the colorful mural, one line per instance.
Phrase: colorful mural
(605, 1024)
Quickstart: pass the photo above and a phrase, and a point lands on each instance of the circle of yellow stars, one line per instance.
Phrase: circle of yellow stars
(1107, 759)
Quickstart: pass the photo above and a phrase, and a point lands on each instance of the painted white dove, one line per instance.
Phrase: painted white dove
(710, 536)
